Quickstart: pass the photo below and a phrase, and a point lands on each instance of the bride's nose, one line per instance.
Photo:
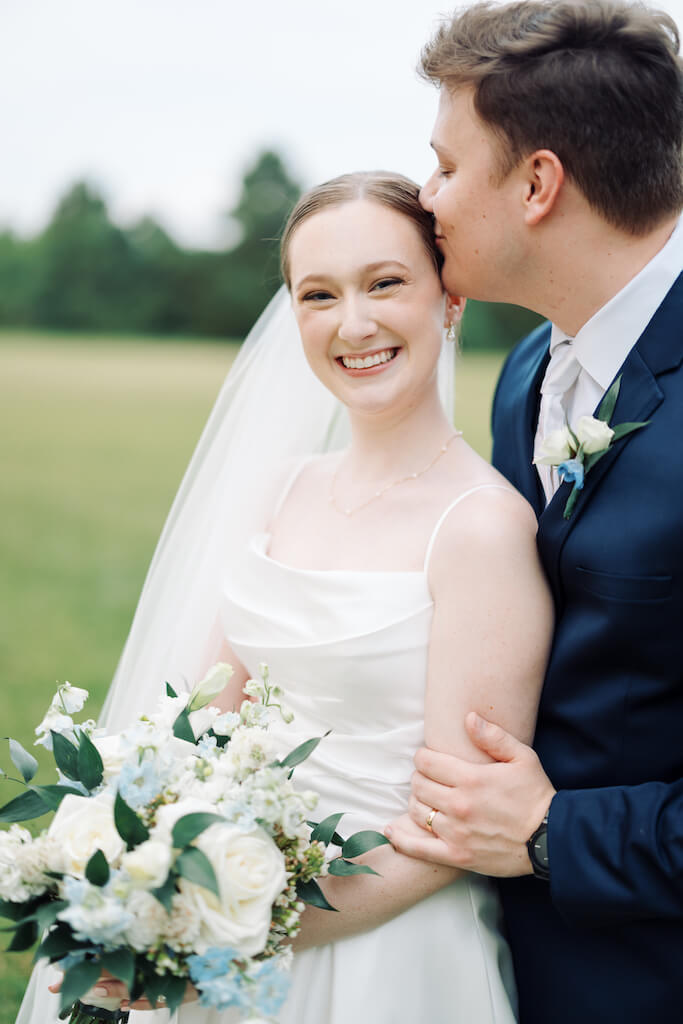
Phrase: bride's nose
(356, 323)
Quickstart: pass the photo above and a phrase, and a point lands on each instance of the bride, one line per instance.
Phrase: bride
(349, 537)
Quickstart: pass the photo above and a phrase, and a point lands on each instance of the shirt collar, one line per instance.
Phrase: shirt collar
(603, 343)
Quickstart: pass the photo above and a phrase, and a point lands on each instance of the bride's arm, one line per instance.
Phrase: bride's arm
(488, 649)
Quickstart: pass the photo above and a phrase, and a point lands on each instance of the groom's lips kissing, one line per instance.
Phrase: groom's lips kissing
(366, 364)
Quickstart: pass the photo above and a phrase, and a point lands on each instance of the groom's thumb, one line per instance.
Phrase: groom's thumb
(490, 738)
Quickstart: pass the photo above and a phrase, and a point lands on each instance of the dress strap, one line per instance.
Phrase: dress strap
(449, 509)
(290, 480)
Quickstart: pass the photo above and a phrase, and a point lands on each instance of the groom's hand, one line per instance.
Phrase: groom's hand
(485, 812)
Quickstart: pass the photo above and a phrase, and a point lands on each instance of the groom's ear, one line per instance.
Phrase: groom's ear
(543, 179)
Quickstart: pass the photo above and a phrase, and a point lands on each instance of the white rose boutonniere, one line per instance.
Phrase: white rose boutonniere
(574, 453)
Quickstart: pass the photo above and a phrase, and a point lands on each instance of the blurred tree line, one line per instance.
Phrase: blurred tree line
(85, 273)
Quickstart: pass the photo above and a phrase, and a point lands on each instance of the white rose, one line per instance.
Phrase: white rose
(150, 920)
(251, 874)
(148, 864)
(555, 448)
(211, 685)
(113, 752)
(593, 434)
(82, 825)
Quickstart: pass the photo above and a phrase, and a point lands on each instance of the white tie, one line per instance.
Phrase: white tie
(558, 383)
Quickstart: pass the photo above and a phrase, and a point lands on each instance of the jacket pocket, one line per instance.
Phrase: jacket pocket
(617, 587)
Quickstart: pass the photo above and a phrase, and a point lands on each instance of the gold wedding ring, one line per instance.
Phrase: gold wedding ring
(430, 818)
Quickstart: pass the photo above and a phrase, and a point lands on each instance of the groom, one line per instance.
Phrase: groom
(559, 188)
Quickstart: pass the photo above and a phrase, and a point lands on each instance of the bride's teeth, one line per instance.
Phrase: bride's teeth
(363, 364)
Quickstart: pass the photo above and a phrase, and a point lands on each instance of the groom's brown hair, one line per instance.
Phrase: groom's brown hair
(599, 83)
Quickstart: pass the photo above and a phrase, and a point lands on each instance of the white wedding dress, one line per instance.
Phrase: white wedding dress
(350, 650)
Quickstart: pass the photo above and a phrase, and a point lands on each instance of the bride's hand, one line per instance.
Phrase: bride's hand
(109, 987)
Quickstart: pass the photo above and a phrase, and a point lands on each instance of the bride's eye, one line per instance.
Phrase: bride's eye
(387, 283)
(318, 296)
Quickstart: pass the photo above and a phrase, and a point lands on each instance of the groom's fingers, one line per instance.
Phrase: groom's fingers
(443, 768)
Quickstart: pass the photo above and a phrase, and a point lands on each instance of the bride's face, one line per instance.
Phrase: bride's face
(369, 304)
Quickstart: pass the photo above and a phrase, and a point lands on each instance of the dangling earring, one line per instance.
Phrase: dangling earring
(451, 333)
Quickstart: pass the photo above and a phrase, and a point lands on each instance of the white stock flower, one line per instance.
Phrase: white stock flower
(113, 750)
(226, 723)
(148, 864)
(555, 448)
(213, 683)
(203, 719)
(150, 920)
(184, 924)
(251, 749)
(83, 825)
(23, 861)
(593, 434)
(54, 721)
(70, 698)
(251, 873)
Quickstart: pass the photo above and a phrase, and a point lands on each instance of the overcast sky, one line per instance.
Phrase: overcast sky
(164, 103)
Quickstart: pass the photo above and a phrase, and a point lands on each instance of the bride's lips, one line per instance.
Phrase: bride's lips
(380, 357)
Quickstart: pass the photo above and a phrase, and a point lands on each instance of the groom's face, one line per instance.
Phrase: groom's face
(475, 213)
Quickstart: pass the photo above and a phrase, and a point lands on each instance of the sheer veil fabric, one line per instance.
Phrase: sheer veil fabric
(271, 412)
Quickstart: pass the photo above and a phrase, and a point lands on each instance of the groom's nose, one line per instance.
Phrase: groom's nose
(427, 193)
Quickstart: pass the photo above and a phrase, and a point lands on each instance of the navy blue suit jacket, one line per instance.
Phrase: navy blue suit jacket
(603, 942)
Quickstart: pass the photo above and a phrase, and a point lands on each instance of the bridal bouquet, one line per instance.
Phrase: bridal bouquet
(179, 852)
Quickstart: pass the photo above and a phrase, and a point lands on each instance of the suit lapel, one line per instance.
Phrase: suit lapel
(659, 348)
(529, 482)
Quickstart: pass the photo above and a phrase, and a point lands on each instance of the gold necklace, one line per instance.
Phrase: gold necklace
(394, 483)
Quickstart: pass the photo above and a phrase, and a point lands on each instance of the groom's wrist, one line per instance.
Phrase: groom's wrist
(537, 848)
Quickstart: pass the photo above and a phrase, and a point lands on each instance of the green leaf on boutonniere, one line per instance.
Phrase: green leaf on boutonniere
(622, 429)
(90, 767)
(606, 407)
(131, 829)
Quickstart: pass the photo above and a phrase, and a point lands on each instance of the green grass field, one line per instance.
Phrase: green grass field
(94, 438)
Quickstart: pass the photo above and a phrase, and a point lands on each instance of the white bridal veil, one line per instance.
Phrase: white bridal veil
(270, 411)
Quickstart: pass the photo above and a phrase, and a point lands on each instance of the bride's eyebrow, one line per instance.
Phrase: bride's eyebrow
(369, 268)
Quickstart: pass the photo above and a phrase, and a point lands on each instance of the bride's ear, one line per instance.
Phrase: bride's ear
(455, 307)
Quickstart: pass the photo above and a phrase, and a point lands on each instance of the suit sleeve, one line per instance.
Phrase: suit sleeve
(616, 854)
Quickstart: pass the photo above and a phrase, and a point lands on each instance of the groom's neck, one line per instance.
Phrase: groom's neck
(587, 263)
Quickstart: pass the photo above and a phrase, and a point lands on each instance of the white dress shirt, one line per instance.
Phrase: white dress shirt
(604, 342)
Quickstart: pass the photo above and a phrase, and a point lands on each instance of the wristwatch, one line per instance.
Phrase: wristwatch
(537, 845)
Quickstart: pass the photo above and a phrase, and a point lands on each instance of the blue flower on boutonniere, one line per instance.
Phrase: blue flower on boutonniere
(575, 452)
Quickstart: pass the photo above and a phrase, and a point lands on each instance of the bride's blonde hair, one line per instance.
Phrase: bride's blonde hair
(385, 187)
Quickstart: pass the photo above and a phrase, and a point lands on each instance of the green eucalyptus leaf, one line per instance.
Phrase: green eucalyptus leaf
(361, 842)
(120, 963)
(343, 868)
(53, 795)
(131, 829)
(24, 937)
(174, 990)
(24, 807)
(58, 941)
(301, 752)
(190, 826)
(90, 767)
(606, 407)
(66, 756)
(22, 760)
(97, 869)
(76, 982)
(182, 728)
(170, 692)
(18, 911)
(196, 867)
(311, 893)
(325, 833)
(165, 893)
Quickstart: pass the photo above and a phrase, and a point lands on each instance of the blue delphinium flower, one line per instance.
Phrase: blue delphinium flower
(139, 782)
(95, 913)
(270, 988)
(572, 470)
(219, 981)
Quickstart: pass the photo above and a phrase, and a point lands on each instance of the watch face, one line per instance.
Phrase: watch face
(540, 849)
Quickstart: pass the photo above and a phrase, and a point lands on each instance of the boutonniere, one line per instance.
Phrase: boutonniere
(574, 453)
